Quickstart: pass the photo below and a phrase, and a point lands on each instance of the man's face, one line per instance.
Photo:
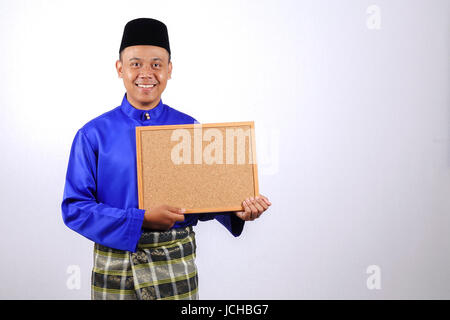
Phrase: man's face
(145, 71)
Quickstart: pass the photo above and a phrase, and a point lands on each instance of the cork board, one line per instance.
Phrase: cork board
(200, 167)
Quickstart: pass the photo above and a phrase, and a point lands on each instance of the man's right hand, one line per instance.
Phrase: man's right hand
(162, 217)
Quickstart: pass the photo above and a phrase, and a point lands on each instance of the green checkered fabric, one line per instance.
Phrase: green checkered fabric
(163, 267)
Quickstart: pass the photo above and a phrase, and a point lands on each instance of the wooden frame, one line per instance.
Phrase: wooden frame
(230, 180)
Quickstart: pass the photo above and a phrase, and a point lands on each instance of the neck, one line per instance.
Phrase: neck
(143, 105)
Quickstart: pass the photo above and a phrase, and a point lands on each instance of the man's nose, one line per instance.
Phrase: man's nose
(146, 71)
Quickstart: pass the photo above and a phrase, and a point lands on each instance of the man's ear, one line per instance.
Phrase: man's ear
(119, 66)
(170, 70)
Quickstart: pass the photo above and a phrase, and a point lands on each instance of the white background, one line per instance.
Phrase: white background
(352, 126)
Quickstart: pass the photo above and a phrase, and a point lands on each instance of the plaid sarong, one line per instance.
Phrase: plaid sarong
(163, 267)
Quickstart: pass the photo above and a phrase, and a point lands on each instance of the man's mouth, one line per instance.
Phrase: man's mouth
(145, 86)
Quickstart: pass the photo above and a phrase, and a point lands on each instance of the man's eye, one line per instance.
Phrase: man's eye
(156, 65)
(136, 64)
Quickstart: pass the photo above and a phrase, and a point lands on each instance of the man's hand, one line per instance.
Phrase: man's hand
(254, 207)
(162, 217)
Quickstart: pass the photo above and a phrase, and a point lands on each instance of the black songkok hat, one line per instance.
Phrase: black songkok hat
(145, 31)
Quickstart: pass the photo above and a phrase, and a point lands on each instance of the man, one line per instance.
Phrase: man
(137, 254)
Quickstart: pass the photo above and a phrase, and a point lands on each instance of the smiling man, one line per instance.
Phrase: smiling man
(144, 87)
(137, 254)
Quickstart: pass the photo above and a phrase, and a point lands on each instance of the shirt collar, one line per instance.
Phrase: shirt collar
(144, 116)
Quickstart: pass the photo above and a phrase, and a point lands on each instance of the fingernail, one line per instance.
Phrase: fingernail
(257, 198)
(252, 199)
(182, 210)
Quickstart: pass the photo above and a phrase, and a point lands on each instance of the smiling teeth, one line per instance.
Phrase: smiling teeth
(145, 85)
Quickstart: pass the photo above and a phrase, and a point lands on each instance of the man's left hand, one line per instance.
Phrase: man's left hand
(254, 208)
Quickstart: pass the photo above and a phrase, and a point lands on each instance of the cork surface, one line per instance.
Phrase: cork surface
(202, 168)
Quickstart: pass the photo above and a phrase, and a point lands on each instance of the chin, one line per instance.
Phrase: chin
(147, 100)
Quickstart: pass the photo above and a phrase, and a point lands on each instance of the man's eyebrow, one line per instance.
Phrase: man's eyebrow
(153, 59)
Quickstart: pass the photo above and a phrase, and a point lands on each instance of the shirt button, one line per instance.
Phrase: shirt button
(147, 116)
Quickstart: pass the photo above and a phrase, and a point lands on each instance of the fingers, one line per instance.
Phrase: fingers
(176, 216)
(253, 207)
(250, 209)
(175, 209)
(260, 205)
(261, 202)
(241, 215)
(244, 215)
(174, 213)
(265, 199)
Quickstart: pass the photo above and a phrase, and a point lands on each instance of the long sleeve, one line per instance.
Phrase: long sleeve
(233, 223)
(229, 220)
(109, 226)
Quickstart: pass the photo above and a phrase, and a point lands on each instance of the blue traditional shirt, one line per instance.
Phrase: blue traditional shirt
(100, 198)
